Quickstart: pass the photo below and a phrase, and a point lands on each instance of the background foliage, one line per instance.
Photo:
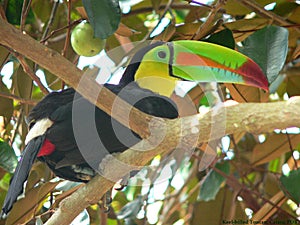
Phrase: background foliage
(245, 181)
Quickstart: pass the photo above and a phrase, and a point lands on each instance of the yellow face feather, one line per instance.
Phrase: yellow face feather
(153, 72)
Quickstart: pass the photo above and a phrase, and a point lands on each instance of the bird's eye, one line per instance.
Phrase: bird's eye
(162, 54)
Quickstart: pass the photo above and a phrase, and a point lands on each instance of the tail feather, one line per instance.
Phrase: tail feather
(21, 172)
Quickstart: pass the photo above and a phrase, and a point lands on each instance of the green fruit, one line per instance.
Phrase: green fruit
(83, 41)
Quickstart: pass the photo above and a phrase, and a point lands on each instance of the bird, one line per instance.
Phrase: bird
(147, 84)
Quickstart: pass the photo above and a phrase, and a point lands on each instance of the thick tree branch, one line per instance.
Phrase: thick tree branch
(184, 133)
(68, 72)
(242, 117)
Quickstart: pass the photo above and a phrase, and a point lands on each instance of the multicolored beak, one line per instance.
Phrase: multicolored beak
(206, 62)
(161, 65)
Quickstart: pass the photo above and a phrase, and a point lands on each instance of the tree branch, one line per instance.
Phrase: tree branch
(177, 6)
(31, 73)
(184, 132)
(253, 5)
(203, 30)
(17, 98)
(241, 117)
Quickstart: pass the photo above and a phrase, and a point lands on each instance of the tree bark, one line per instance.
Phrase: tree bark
(247, 117)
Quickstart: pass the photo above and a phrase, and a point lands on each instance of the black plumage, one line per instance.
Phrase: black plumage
(61, 133)
(76, 155)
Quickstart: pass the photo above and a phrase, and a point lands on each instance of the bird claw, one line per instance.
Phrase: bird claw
(106, 201)
(125, 180)
(120, 188)
(3, 215)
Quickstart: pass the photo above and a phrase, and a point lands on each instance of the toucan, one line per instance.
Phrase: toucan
(147, 83)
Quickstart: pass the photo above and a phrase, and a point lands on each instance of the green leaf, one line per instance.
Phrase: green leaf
(14, 11)
(4, 183)
(291, 184)
(23, 82)
(131, 209)
(4, 53)
(8, 158)
(212, 184)
(276, 84)
(214, 212)
(204, 101)
(234, 7)
(275, 165)
(6, 104)
(104, 16)
(156, 4)
(39, 221)
(42, 9)
(224, 38)
(284, 8)
(25, 208)
(268, 47)
(293, 85)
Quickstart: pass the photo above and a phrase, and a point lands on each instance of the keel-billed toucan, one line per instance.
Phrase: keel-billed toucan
(147, 82)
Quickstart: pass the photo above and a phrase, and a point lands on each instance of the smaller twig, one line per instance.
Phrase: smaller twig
(48, 212)
(31, 74)
(23, 16)
(103, 216)
(60, 29)
(19, 120)
(291, 150)
(203, 30)
(190, 214)
(223, 206)
(51, 19)
(267, 14)
(278, 208)
(54, 82)
(178, 6)
(28, 70)
(17, 98)
(67, 40)
(28, 7)
(215, 26)
(2, 11)
(175, 203)
(49, 24)
(199, 3)
(153, 177)
(256, 29)
(166, 10)
(228, 177)
(24, 13)
(292, 26)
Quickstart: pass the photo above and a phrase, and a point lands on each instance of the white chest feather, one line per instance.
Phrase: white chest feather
(38, 129)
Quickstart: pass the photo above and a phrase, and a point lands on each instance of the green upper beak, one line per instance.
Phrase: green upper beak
(206, 62)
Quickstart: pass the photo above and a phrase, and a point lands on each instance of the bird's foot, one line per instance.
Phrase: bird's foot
(83, 173)
(125, 180)
(106, 201)
(3, 215)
